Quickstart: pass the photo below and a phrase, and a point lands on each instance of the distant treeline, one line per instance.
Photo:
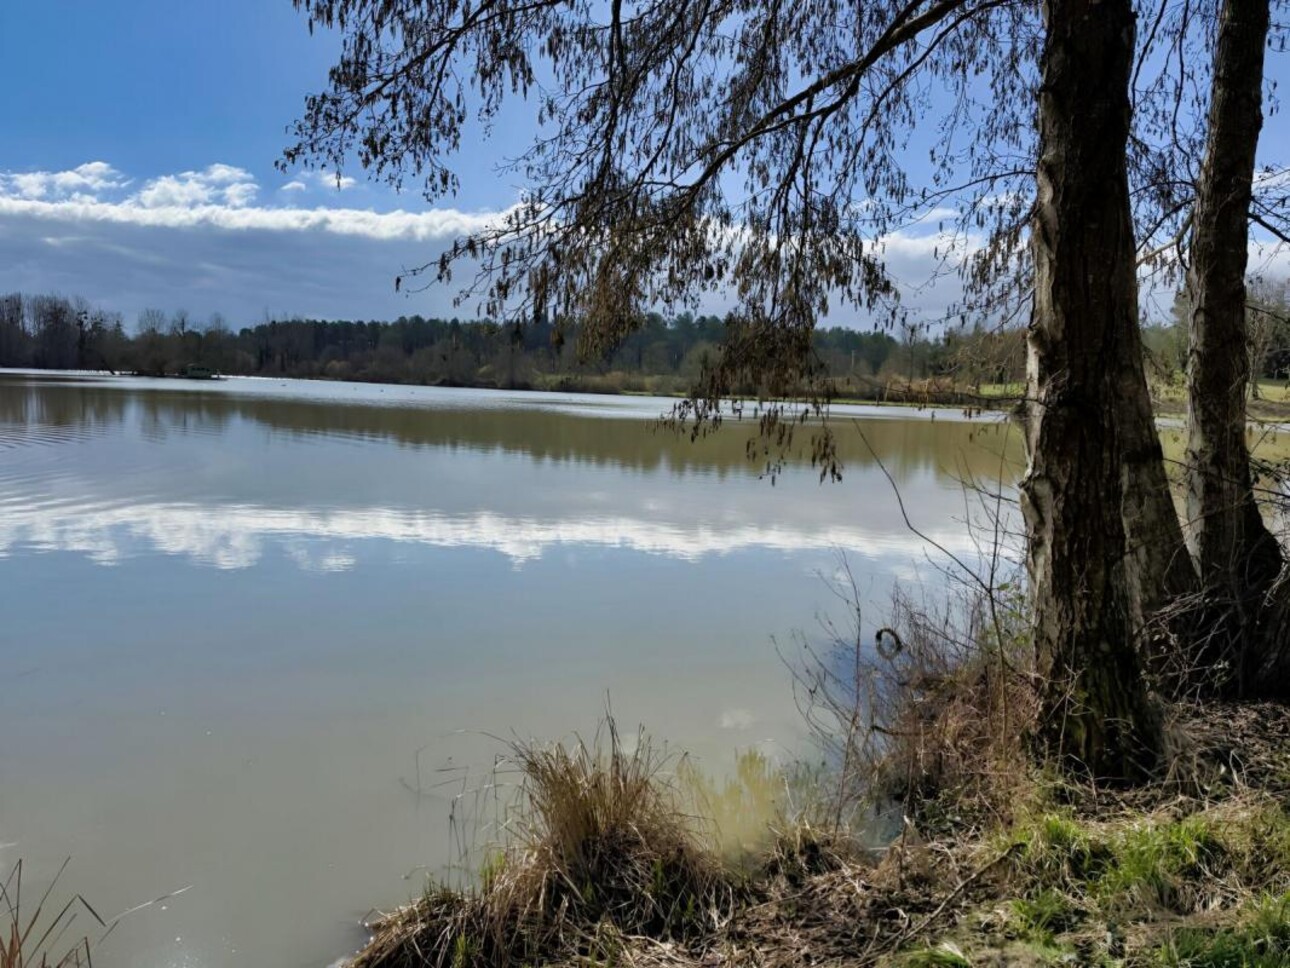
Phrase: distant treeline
(665, 355)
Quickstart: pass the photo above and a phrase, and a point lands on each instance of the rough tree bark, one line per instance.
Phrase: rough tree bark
(1237, 557)
(1096, 713)
(1159, 567)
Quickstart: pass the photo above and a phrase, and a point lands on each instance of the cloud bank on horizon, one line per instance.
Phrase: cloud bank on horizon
(215, 240)
(218, 197)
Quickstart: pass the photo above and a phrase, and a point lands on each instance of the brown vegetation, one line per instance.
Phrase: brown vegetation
(1199, 861)
(990, 857)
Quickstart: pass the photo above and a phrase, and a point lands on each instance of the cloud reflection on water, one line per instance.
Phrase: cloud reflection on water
(238, 536)
(224, 474)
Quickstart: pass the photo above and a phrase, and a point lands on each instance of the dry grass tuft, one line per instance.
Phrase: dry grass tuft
(599, 849)
(958, 713)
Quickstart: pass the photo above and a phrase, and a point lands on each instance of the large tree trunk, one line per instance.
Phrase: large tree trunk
(1096, 714)
(1160, 570)
(1237, 557)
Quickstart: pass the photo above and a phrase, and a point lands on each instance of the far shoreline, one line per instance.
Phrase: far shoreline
(923, 395)
(992, 404)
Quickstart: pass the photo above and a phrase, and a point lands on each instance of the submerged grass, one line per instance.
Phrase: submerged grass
(52, 933)
(37, 936)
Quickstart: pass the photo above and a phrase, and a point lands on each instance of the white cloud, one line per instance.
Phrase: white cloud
(221, 174)
(219, 197)
(1272, 178)
(177, 206)
(319, 179)
(170, 190)
(208, 240)
(85, 180)
(217, 184)
(331, 180)
(30, 185)
(241, 194)
(93, 176)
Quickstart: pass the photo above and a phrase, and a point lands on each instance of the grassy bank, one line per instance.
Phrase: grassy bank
(608, 863)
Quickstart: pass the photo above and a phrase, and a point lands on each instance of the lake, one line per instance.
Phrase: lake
(255, 635)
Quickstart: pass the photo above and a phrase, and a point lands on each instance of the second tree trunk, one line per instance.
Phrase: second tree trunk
(1096, 714)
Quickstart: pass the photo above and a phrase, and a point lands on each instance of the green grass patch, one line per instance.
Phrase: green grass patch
(944, 955)
(1136, 867)
(1045, 915)
(1277, 391)
(1003, 390)
(1153, 863)
(1259, 939)
(1055, 849)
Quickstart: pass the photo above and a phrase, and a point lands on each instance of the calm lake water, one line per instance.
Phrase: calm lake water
(237, 617)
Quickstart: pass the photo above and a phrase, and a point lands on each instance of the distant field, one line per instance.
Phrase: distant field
(1004, 390)
(1270, 391)
(1267, 413)
(1266, 443)
(1275, 391)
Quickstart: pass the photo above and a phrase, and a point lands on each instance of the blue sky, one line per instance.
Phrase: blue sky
(148, 86)
(121, 120)
(137, 169)
(155, 87)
